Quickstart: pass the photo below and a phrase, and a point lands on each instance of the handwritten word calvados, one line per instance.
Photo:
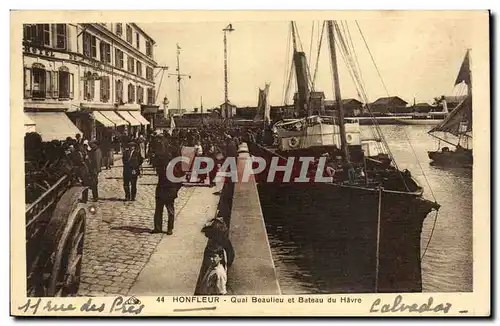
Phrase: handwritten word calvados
(398, 306)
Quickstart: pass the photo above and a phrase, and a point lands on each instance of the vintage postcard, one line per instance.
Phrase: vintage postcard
(245, 163)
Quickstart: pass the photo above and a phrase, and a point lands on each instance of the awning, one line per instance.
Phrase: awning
(53, 125)
(103, 120)
(138, 116)
(115, 118)
(130, 119)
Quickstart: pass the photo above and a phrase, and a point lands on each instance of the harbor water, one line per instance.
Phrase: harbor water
(447, 264)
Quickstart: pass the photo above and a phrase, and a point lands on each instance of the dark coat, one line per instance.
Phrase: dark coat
(166, 189)
(132, 163)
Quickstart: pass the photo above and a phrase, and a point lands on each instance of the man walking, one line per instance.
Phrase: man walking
(166, 193)
(132, 161)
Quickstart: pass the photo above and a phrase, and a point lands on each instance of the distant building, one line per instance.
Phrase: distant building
(389, 105)
(317, 103)
(228, 110)
(351, 106)
(451, 101)
(425, 108)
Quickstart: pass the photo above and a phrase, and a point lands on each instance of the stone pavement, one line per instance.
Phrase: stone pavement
(174, 267)
(117, 240)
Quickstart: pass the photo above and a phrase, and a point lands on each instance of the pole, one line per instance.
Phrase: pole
(201, 108)
(377, 254)
(179, 81)
(229, 28)
(225, 69)
(338, 98)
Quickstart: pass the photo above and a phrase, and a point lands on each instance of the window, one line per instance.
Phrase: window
(105, 86)
(129, 34)
(38, 34)
(151, 96)
(89, 45)
(61, 36)
(105, 51)
(38, 86)
(131, 93)
(119, 29)
(119, 59)
(140, 95)
(119, 91)
(130, 64)
(89, 89)
(149, 48)
(149, 73)
(65, 85)
(138, 40)
(139, 68)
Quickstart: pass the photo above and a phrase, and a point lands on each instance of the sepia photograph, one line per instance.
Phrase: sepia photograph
(248, 159)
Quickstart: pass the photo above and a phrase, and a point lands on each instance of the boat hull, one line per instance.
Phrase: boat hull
(341, 223)
(452, 158)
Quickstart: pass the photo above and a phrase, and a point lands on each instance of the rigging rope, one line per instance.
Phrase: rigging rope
(311, 45)
(404, 130)
(362, 94)
(430, 236)
(371, 56)
(320, 41)
(287, 56)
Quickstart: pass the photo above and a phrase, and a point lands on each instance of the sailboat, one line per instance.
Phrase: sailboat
(371, 214)
(458, 124)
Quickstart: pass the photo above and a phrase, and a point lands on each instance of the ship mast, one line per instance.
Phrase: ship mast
(300, 63)
(338, 98)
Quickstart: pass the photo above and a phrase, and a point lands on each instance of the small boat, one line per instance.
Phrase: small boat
(458, 125)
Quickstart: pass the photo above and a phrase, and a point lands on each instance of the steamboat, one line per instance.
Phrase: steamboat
(371, 213)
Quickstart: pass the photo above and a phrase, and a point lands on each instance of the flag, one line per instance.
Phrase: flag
(172, 126)
(267, 105)
(464, 72)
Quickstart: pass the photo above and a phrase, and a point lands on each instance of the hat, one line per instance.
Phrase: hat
(131, 143)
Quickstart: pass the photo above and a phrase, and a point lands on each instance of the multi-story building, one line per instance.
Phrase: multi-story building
(99, 75)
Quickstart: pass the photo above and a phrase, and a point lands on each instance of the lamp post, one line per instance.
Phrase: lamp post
(229, 28)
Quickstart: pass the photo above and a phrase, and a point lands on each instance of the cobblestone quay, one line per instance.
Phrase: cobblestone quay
(117, 240)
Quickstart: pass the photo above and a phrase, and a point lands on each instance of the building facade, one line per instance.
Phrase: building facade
(100, 76)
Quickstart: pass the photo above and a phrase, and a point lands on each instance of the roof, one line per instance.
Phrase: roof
(143, 32)
(345, 101)
(317, 94)
(422, 104)
(389, 100)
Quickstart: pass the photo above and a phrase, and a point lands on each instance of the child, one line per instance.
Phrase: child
(215, 279)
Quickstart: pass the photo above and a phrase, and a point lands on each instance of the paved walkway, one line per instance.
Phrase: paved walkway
(118, 244)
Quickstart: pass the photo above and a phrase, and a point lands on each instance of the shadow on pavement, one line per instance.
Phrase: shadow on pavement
(132, 229)
(112, 199)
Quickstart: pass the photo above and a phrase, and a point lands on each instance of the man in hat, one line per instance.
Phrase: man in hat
(166, 192)
(132, 161)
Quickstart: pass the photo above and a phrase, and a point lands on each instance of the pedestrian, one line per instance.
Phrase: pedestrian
(166, 193)
(214, 280)
(95, 163)
(132, 161)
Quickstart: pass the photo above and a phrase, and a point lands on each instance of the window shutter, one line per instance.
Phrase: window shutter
(53, 35)
(55, 84)
(71, 85)
(92, 89)
(27, 82)
(101, 88)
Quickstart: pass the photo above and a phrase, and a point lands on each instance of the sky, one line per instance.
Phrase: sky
(418, 59)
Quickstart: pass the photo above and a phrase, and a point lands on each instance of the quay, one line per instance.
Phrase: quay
(121, 257)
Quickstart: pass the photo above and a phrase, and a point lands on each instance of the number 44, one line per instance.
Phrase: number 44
(160, 299)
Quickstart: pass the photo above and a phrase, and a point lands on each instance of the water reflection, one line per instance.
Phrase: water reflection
(447, 265)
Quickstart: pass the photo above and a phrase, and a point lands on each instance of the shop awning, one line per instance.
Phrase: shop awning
(130, 119)
(115, 118)
(103, 120)
(138, 116)
(53, 125)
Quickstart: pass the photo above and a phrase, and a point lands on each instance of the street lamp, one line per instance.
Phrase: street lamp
(229, 28)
